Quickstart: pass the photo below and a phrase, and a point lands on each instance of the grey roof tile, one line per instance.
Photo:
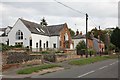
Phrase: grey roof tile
(53, 30)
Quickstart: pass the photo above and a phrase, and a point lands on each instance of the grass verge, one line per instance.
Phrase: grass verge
(91, 60)
(36, 69)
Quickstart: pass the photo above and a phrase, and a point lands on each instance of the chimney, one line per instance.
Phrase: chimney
(77, 32)
(80, 32)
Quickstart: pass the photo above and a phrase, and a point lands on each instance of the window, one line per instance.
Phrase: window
(46, 44)
(19, 35)
(54, 45)
(36, 45)
(38, 29)
(40, 43)
(19, 43)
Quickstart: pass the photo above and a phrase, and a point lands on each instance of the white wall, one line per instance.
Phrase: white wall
(26, 34)
(3, 39)
(54, 40)
(76, 41)
(36, 38)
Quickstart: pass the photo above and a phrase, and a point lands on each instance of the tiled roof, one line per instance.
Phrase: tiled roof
(2, 29)
(78, 36)
(53, 30)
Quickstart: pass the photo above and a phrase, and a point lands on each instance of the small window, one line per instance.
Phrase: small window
(36, 45)
(40, 43)
(42, 30)
(46, 44)
(54, 45)
(19, 43)
(38, 29)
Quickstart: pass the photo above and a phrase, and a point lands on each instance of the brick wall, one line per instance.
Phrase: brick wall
(62, 34)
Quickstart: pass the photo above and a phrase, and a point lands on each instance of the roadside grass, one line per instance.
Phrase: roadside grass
(91, 60)
(36, 69)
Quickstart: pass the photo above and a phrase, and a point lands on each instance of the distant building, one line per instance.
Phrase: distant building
(93, 43)
(4, 34)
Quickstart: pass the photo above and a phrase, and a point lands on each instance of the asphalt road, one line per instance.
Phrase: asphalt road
(103, 69)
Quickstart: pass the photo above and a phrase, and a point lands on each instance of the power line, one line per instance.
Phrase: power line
(93, 21)
(76, 11)
(70, 7)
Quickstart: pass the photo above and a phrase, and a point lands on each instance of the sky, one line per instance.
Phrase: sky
(102, 13)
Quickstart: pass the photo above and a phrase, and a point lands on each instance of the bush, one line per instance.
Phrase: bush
(44, 52)
(91, 51)
(106, 52)
(18, 46)
(4, 47)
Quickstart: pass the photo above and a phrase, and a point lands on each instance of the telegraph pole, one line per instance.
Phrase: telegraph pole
(86, 35)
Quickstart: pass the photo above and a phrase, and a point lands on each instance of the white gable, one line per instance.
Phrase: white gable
(26, 33)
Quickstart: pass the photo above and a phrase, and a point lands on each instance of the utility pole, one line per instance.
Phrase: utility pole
(86, 35)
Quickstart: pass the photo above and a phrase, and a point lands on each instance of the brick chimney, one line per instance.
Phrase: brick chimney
(80, 32)
(77, 32)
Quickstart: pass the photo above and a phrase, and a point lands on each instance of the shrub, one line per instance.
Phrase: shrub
(44, 52)
(106, 52)
(91, 51)
(18, 46)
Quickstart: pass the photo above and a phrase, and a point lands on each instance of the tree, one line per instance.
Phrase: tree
(81, 46)
(115, 37)
(72, 33)
(111, 47)
(43, 22)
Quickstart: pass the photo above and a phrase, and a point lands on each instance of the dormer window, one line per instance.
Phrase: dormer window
(19, 35)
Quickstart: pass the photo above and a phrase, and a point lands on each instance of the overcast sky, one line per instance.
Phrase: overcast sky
(103, 12)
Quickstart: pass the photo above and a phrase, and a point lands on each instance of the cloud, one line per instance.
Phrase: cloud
(102, 13)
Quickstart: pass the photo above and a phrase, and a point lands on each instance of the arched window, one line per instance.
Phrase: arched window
(66, 37)
(46, 44)
(19, 35)
(40, 44)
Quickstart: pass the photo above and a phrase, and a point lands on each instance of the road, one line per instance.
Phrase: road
(102, 69)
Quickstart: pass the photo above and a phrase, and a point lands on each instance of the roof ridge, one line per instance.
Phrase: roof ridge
(28, 21)
(55, 25)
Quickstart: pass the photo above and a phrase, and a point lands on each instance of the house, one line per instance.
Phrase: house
(4, 34)
(93, 43)
(39, 37)
(99, 46)
(79, 37)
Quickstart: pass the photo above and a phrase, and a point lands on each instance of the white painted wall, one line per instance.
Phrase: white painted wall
(54, 40)
(36, 38)
(3, 39)
(76, 41)
(26, 34)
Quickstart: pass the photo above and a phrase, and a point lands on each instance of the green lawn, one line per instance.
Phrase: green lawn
(91, 60)
(36, 69)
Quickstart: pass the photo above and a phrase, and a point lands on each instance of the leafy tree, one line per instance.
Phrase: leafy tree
(43, 22)
(115, 37)
(72, 33)
(81, 45)
(111, 47)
